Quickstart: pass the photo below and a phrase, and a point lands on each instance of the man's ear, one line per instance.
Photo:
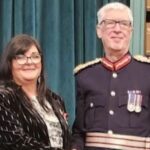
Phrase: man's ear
(98, 31)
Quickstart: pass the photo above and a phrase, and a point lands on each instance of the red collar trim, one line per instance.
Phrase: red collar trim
(118, 64)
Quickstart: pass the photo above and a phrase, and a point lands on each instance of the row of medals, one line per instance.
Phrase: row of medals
(134, 101)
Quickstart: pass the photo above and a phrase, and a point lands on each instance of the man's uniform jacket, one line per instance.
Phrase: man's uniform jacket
(113, 104)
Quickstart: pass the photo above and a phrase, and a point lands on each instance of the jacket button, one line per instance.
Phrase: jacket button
(91, 104)
(111, 112)
(114, 75)
(110, 132)
(112, 93)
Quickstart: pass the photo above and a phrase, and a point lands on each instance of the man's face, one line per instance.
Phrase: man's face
(115, 31)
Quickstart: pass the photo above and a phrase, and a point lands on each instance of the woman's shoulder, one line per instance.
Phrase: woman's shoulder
(55, 98)
(53, 95)
(3, 88)
(7, 88)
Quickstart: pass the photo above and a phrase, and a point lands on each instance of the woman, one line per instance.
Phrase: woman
(32, 117)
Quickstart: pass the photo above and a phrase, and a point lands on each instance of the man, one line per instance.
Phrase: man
(113, 93)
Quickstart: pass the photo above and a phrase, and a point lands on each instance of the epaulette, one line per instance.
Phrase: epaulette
(85, 65)
(142, 58)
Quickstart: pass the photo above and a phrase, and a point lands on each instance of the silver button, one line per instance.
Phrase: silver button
(112, 93)
(114, 75)
(110, 132)
(111, 112)
(91, 104)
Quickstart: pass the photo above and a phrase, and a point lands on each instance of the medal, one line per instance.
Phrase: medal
(131, 101)
(134, 101)
(138, 106)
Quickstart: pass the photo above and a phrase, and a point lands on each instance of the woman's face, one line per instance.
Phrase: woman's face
(26, 68)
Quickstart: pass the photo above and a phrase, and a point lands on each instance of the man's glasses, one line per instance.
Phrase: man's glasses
(110, 23)
(22, 59)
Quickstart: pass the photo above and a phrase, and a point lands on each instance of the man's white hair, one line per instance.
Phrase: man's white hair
(115, 6)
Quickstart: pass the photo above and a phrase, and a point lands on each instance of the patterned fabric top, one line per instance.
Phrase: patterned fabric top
(52, 123)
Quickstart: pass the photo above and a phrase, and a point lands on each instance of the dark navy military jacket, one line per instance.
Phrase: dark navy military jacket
(103, 97)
